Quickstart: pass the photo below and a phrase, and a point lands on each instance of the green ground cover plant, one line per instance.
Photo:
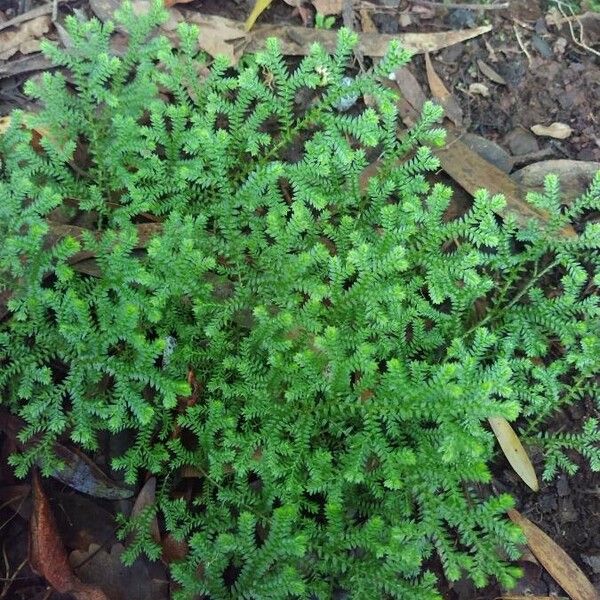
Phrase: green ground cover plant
(322, 348)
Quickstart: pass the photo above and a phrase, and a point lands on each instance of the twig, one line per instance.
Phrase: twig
(580, 42)
(502, 6)
(522, 46)
(10, 581)
(39, 11)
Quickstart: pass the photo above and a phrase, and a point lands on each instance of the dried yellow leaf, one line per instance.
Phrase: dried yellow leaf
(514, 451)
(259, 7)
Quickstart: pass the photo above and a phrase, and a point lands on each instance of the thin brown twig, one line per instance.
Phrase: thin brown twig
(432, 3)
(521, 45)
(10, 581)
(39, 11)
(580, 42)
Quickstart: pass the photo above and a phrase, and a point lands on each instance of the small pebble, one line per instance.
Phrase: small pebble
(521, 142)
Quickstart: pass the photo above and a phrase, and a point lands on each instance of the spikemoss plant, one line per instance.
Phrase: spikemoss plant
(345, 339)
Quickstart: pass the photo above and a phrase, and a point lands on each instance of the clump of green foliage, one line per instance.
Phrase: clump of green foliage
(343, 374)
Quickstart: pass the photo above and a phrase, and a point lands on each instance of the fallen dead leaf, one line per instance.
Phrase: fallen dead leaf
(555, 560)
(471, 171)
(144, 580)
(169, 3)
(479, 89)
(259, 7)
(25, 64)
(452, 109)
(560, 131)
(410, 93)
(47, 555)
(366, 21)
(83, 475)
(328, 7)
(514, 451)
(219, 35)
(145, 498)
(297, 40)
(20, 39)
(173, 549)
(490, 73)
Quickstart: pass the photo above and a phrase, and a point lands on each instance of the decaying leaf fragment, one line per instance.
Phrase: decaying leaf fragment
(559, 131)
(47, 554)
(555, 560)
(24, 38)
(452, 109)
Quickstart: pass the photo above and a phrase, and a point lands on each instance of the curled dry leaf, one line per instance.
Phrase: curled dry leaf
(479, 89)
(514, 451)
(560, 131)
(22, 38)
(555, 560)
(47, 555)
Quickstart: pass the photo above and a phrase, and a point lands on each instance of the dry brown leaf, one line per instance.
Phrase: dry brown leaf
(452, 109)
(173, 549)
(555, 560)
(514, 451)
(328, 7)
(144, 580)
(259, 7)
(83, 475)
(296, 41)
(169, 3)
(490, 73)
(11, 41)
(219, 35)
(559, 131)
(366, 21)
(410, 88)
(473, 173)
(146, 498)
(47, 555)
